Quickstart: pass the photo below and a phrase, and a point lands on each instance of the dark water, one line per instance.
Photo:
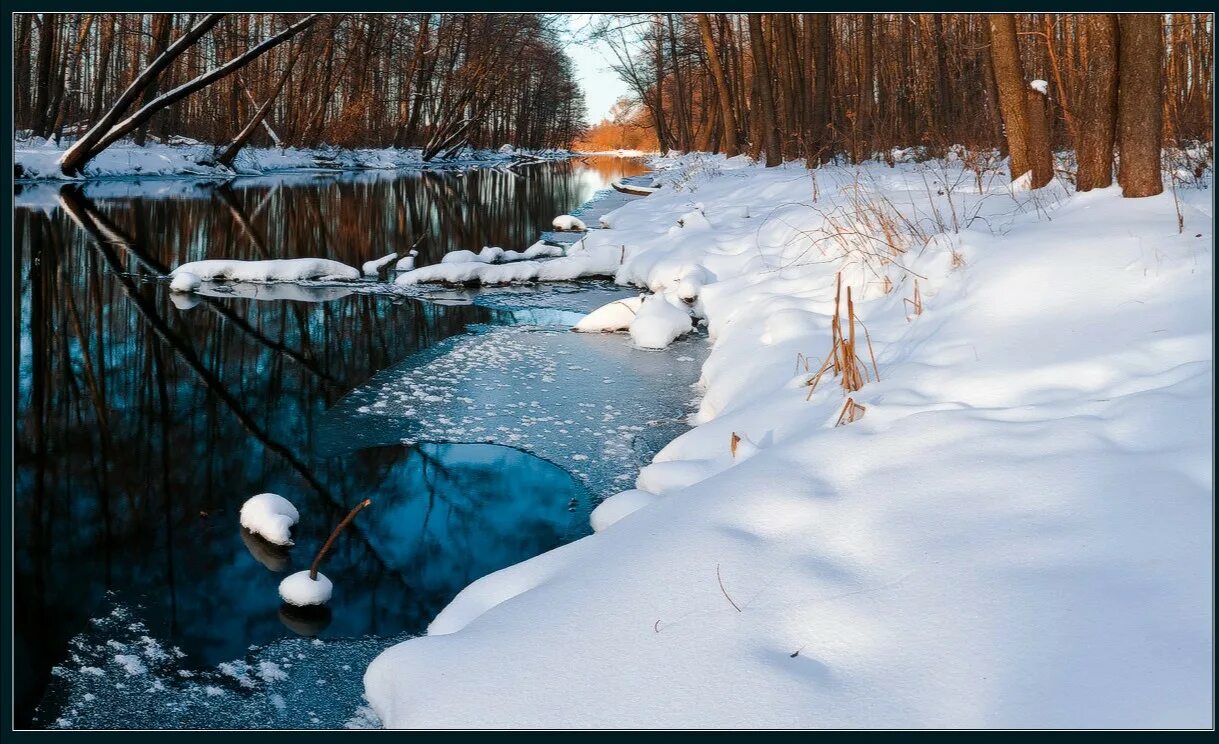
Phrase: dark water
(142, 425)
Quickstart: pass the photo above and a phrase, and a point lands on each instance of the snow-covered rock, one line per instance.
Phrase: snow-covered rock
(618, 506)
(271, 516)
(185, 282)
(277, 270)
(567, 222)
(300, 590)
(612, 316)
(658, 323)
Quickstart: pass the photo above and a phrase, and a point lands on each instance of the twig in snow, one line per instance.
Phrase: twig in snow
(720, 579)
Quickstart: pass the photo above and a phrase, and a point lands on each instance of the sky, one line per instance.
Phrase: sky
(601, 86)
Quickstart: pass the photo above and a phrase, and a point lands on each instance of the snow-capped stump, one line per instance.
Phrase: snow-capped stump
(305, 588)
(270, 516)
(567, 223)
(185, 282)
(308, 588)
(613, 316)
(278, 270)
(407, 263)
(659, 323)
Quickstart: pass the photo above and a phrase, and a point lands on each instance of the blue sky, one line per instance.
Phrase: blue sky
(601, 86)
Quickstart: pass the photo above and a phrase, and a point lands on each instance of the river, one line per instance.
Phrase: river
(483, 430)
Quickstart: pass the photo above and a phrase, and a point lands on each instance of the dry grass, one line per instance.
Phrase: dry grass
(851, 412)
(843, 360)
(916, 304)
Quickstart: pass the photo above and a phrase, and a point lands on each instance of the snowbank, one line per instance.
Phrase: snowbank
(1016, 533)
(612, 316)
(281, 270)
(37, 159)
(496, 266)
(567, 222)
(658, 323)
(184, 281)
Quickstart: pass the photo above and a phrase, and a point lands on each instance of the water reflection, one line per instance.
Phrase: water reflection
(143, 420)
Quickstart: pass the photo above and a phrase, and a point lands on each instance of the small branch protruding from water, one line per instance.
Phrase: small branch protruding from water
(334, 535)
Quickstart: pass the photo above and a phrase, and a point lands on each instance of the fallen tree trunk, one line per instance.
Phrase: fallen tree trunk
(79, 153)
(132, 122)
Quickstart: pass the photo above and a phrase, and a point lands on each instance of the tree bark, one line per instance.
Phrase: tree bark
(731, 137)
(1005, 54)
(1041, 158)
(770, 134)
(1140, 105)
(1098, 109)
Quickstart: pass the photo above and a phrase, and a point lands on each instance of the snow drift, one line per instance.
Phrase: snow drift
(1016, 534)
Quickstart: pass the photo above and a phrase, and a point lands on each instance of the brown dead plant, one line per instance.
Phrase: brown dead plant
(843, 360)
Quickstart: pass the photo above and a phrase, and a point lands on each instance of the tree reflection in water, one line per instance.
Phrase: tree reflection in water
(143, 423)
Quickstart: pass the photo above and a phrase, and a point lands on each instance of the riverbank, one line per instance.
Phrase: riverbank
(36, 159)
(1007, 524)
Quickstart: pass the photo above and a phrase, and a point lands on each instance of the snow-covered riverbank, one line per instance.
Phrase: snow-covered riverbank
(1016, 532)
(36, 159)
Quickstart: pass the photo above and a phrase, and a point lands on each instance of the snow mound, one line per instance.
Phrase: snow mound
(408, 262)
(185, 282)
(279, 270)
(1041, 87)
(373, 268)
(659, 323)
(612, 316)
(567, 222)
(271, 516)
(302, 591)
(618, 506)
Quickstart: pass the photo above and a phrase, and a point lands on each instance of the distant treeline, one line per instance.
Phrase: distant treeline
(431, 80)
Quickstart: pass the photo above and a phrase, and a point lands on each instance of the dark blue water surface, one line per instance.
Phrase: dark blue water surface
(145, 420)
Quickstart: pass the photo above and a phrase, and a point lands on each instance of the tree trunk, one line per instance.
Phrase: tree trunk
(863, 112)
(1139, 107)
(124, 127)
(230, 153)
(1098, 110)
(42, 89)
(1041, 159)
(770, 134)
(819, 119)
(731, 141)
(1009, 76)
(81, 152)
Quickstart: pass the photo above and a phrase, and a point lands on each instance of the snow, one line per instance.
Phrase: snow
(38, 159)
(271, 516)
(185, 282)
(567, 222)
(658, 323)
(408, 262)
(1041, 87)
(373, 268)
(300, 590)
(618, 506)
(612, 316)
(1017, 533)
(278, 270)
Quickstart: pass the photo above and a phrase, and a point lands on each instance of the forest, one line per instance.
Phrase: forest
(424, 80)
